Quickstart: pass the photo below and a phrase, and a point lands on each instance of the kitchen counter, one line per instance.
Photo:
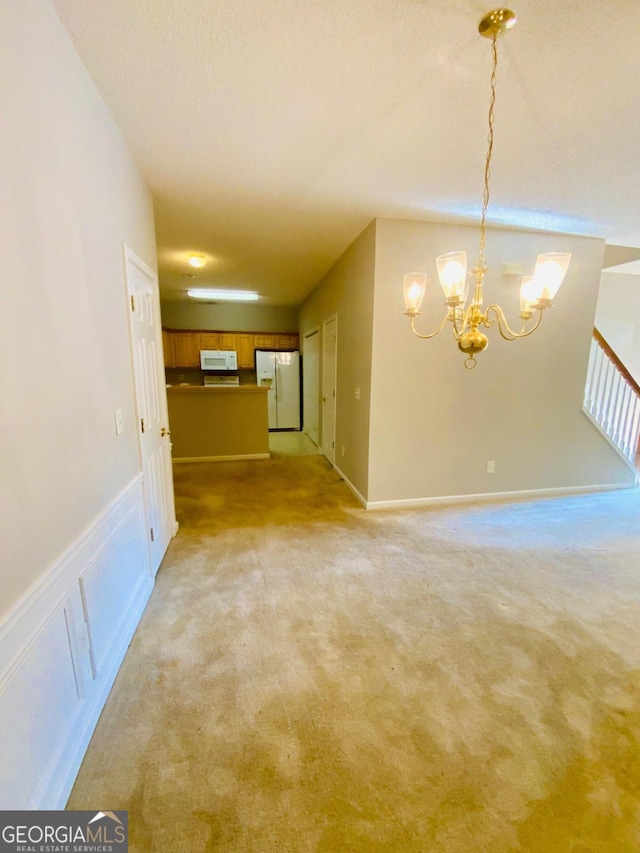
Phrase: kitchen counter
(215, 388)
(218, 422)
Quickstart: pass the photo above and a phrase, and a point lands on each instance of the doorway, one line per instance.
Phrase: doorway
(329, 365)
(151, 405)
(311, 384)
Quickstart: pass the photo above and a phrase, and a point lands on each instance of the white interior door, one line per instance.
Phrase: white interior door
(311, 385)
(151, 405)
(329, 366)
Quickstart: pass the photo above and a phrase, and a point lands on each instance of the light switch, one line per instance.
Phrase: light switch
(119, 422)
(356, 393)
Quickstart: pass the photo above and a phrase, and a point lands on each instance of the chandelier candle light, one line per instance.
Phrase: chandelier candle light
(537, 291)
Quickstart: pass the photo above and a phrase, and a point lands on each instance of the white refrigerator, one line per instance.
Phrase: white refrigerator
(280, 372)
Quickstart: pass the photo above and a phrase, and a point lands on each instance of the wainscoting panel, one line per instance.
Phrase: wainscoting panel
(39, 698)
(61, 647)
(110, 585)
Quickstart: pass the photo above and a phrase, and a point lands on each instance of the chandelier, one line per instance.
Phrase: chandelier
(537, 291)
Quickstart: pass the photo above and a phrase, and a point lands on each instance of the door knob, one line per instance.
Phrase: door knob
(164, 431)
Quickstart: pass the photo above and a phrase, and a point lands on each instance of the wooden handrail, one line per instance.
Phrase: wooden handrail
(616, 361)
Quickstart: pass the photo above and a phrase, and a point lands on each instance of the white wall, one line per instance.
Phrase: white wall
(434, 424)
(230, 317)
(347, 290)
(71, 503)
(618, 317)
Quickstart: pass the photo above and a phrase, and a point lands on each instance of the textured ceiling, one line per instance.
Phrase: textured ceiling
(272, 132)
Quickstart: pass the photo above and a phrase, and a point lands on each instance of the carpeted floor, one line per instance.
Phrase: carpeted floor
(310, 677)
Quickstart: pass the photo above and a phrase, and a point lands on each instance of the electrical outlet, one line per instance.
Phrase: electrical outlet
(356, 393)
(491, 467)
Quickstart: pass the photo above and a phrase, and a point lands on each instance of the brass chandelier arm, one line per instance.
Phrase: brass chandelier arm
(463, 317)
(446, 317)
(505, 330)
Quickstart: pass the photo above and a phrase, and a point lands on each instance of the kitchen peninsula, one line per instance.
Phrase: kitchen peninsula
(215, 423)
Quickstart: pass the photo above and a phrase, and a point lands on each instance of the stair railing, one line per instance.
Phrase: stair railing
(612, 397)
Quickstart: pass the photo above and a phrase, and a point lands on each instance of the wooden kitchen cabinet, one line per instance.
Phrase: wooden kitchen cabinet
(286, 342)
(167, 346)
(209, 340)
(186, 347)
(262, 341)
(182, 348)
(244, 348)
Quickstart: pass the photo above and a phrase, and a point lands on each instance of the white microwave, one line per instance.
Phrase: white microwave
(214, 359)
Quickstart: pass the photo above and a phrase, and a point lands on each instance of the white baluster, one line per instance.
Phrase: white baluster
(588, 389)
(612, 401)
(635, 432)
(597, 395)
(610, 372)
(616, 400)
(625, 419)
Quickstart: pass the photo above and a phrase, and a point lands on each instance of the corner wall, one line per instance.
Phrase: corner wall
(435, 425)
(75, 575)
(347, 290)
(618, 317)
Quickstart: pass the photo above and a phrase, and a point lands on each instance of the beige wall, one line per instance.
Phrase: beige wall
(231, 317)
(71, 194)
(347, 290)
(618, 317)
(434, 424)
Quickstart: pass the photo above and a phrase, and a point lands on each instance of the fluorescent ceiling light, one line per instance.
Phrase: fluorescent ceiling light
(226, 295)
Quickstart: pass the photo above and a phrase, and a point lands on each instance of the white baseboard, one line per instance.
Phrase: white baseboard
(350, 485)
(524, 494)
(223, 458)
(60, 652)
(486, 497)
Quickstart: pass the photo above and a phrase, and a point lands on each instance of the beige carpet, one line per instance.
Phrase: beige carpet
(312, 677)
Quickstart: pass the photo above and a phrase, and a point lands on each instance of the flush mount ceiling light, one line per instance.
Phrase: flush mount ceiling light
(197, 261)
(224, 295)
(536, 292)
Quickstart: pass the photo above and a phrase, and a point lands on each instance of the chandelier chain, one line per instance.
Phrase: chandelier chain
(487, 166)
